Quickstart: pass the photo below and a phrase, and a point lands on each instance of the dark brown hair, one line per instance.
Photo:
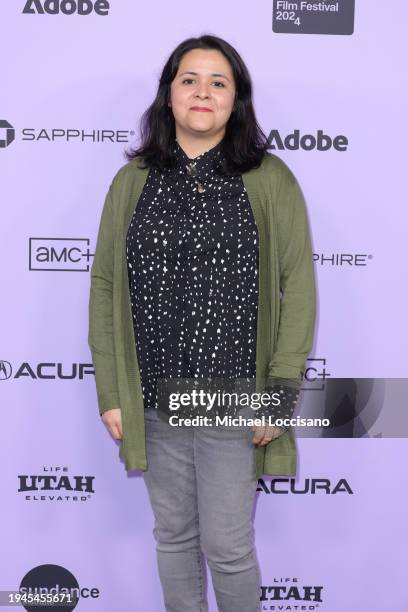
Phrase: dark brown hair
(244, 144)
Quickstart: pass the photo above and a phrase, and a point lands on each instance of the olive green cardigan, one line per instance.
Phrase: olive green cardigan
(285, 323)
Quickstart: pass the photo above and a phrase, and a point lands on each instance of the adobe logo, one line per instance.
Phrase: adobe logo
(67, 7)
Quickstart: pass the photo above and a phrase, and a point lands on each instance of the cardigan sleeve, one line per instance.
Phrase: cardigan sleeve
(297, 288)
(100, 335)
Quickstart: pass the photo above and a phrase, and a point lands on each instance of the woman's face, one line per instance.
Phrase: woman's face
(204, 80)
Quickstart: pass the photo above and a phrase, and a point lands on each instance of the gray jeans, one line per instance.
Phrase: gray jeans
(201, 484)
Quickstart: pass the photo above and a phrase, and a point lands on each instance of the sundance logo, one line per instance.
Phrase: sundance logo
(67, 7)
(308, 142)
(53, 586)
(59, 254)
(311, 17)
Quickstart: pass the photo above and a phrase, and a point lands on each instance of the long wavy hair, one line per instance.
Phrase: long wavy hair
(244, 144)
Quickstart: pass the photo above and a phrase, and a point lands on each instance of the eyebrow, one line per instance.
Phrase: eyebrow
(216, 74)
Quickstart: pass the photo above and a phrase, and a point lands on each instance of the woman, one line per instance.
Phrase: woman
(201, 232)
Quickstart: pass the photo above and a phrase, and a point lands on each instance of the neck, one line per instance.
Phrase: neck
(194, 146)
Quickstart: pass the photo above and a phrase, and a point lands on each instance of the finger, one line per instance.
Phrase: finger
(115, 432)
(277, 432)
(259, 433)
(271, 431)
(268, 435)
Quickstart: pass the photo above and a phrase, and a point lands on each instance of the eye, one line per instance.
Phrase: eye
(216, 82)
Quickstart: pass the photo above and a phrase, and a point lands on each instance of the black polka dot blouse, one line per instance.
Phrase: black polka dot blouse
(193, 263)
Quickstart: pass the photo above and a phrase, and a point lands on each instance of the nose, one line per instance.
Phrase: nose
(202, 90)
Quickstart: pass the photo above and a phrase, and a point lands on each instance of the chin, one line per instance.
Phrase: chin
(200, 128)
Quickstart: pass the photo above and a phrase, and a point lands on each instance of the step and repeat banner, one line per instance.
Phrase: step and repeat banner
(330, 91)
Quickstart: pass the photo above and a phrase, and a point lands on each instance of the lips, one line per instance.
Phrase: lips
(201, 109)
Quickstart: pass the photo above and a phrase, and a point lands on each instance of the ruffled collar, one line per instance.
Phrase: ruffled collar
(199, 166)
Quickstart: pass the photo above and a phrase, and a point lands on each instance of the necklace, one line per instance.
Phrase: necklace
(192, 171)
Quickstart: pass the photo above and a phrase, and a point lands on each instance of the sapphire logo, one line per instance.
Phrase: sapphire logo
(61, 134)
(342, 260)
(7, 133)
(67, 7)
(75, 135)
(59, 254)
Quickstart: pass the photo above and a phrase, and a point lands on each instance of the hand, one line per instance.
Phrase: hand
(113, 421)
(265, 433)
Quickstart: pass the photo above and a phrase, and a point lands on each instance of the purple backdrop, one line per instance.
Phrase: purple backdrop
(71, 81)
